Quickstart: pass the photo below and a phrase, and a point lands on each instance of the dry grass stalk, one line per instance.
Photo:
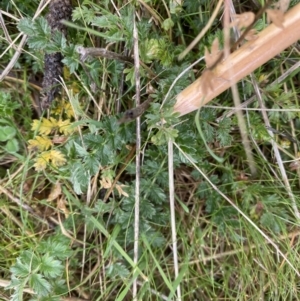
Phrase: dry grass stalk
(270, 42)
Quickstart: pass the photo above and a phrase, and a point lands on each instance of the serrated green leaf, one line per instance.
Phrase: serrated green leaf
(56, 246)
(81, 152)
(108, 155)
(102, 207)
(117, 269)
(197, 121)
(40, 285)
(155, 193)
(41, 27)
(106, 21)
(208, 132)
(70, 58)
(85, 13)
(71, 63)
(184, 159)
(17, 295)
(223, 133)
(79, 177)
(163, 135)
(38, 31)
(15, 282)
(38, 42)
(155, 238)
(159, 138)
(26, 25)
(92, 164)
(94, 141)
(130, 75)
(7, 105)
(26, 262)
(51, 267)
(59, 40)
(20, 269)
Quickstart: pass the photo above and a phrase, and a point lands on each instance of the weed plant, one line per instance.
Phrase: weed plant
(68, 177)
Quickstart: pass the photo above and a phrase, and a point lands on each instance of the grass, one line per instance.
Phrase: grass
(68, 176)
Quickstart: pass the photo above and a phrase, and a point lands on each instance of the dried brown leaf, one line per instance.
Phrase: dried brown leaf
(121, 191)
(59, 139)
(55, 192)
(207, 81)
(295, 165)
(259, 208)
(212, 57)
(251, 35)
(215, 47)
(243, 20)
(61, 205)
(207, 57)
(276, 16)
(284, 5)
(105, 183)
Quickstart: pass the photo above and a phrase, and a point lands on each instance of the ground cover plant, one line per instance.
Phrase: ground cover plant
(104, 201)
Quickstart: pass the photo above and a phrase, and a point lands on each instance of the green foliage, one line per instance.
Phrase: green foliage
(8, 140)
(38, 31)
(158, 50)
(269, 221)
(7, 105)
(93, 152)
(7, 133)
(41, 269)
(223, 133)
(116, 28)
(40, 38)
(191, 6)
(98, 177)
(117, 269)
(25, 8)
(167, 24)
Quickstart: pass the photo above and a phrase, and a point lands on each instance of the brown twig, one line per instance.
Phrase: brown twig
(102, 52)
(136, 112)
